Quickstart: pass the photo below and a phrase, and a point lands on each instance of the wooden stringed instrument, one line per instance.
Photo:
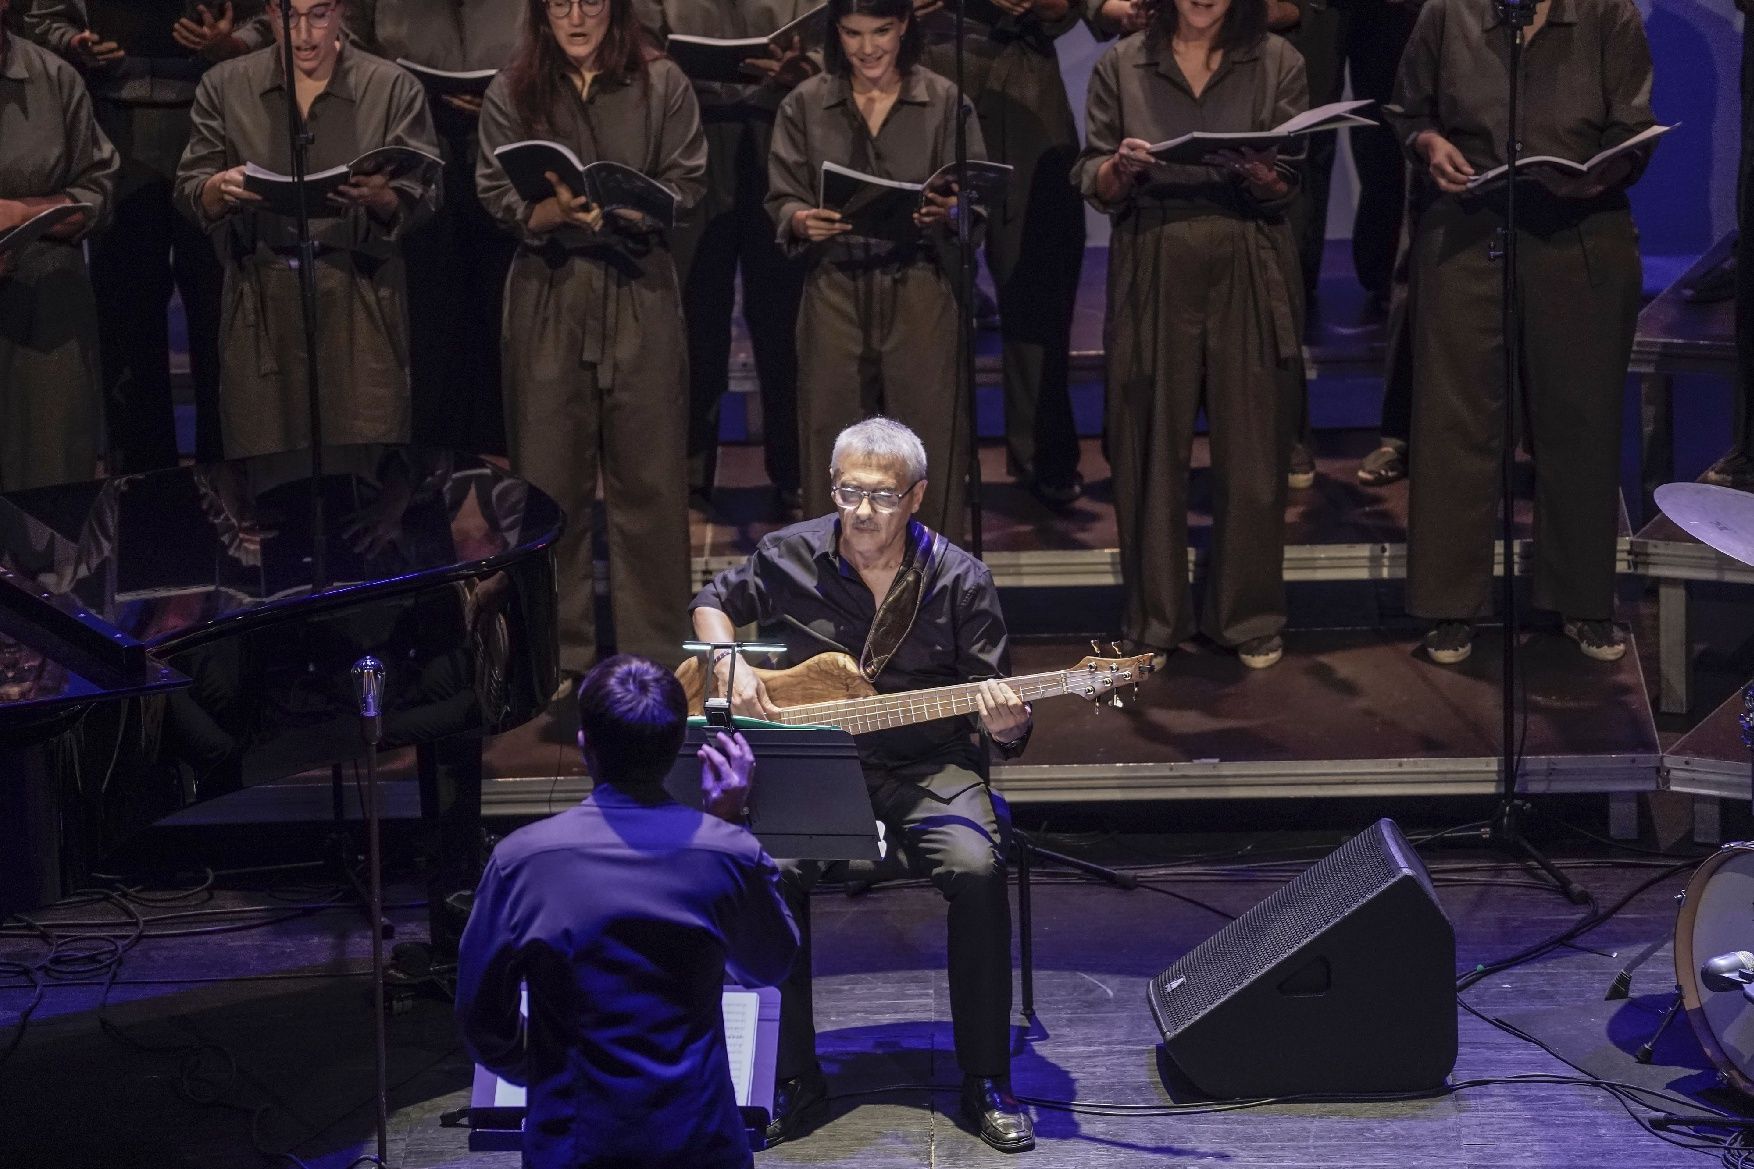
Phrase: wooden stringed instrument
(829, 691)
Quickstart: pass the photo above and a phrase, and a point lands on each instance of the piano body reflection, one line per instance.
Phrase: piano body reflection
(180, 634)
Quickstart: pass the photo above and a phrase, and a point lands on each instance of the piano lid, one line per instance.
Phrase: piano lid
(190, 552)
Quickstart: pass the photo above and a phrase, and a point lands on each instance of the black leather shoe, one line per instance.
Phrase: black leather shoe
(997, 1116)
(792, 1100)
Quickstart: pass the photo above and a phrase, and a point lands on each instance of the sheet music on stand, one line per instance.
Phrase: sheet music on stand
(752, 1034)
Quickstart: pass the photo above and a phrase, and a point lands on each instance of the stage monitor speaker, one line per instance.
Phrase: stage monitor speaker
(1341, 982)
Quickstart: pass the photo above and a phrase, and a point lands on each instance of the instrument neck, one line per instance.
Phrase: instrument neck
(878, 712)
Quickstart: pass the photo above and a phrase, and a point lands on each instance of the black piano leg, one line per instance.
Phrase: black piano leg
(344, 855)
(450, 773)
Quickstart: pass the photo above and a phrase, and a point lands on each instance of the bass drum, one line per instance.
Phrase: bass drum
(1717, 917)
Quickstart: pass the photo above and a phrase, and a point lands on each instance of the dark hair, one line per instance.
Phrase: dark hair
(913, 37)
(634, 714)
(539, 67)
(1244, 24)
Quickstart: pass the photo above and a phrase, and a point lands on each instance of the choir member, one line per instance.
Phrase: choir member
(348, 102)
(595, 357)
(1360, 40)
(730, 233)
(457, 261)
(1736, 467)
(1035, 241)
(142, 60)
(1587, 72)
(51, 413)
(1201, 313)
(877, 332)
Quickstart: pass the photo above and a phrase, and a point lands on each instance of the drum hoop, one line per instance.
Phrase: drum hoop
(1687, 963)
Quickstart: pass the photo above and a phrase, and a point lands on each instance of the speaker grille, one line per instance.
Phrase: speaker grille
(1310, 903)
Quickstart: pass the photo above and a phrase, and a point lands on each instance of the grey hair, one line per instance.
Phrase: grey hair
(880, 440)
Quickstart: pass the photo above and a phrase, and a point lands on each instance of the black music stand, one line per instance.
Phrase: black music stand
(808, 797)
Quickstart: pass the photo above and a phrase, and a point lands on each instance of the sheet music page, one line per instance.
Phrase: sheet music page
(742, 1009)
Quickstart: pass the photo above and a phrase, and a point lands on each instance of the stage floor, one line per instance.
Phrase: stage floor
(289, 1054)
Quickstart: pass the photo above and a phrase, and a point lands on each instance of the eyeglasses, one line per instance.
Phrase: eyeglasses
(848, 498)
(319, 16)
(559, 9)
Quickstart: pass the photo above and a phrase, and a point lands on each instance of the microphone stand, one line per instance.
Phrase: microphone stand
(1506, 831)
(965, 286)
(368, 685)
(299, 139)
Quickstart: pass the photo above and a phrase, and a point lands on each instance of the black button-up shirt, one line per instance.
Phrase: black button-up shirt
(803, 592)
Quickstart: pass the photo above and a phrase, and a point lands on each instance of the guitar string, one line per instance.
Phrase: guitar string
(877, 708)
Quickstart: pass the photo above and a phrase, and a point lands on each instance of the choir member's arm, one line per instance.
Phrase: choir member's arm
(489, 972)
(681, 149)
(207, 188)
(55, 23)
(91, 166)
(1269, 179)
(936, 209)
(791, 183)
(1108, 19)
(1626, 85)
(530, 222)
(389, 208)
(1413, 112)
(1111, 165)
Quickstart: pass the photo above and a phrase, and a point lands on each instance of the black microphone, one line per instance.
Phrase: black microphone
(1732, 971)
(368, 687)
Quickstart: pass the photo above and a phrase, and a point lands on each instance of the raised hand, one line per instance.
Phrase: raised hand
(727, 768)
(211, 35)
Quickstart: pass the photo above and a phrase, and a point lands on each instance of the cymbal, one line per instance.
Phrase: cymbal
(1720, 517)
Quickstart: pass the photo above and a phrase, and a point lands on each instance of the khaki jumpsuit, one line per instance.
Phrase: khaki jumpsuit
(362, 324)
(149, 250)
(457, 260)
(595, 364)
(1035, 242)
(730, 232)
(1202, 313)
(51, 412)
(1588, 86)
(877, 330)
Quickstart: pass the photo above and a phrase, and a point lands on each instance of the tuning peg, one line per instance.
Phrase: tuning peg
(1115, 700)
(1114, 647)
(1095, 647)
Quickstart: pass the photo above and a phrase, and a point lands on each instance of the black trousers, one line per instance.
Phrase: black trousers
(941, 827)
(1744, 408)
(147, 252)
(1365, 38)
(457, 263)
(1397, 398)
(733, 230)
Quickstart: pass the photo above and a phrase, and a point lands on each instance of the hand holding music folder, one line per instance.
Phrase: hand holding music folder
(1193, 149)
(16, 239)
(280, 194)
(725, 59)
(883, 209)
(609, 185)
(1591, 166)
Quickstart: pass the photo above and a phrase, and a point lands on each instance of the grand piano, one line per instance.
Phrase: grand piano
(170, 637)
